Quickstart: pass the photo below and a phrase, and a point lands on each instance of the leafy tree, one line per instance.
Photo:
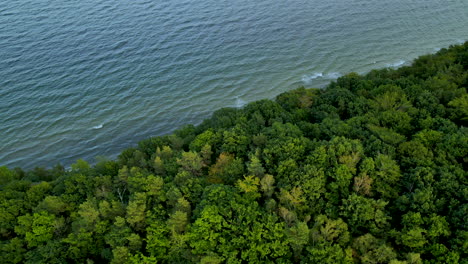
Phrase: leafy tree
(460, 108)
(267, 185)
(298, 236)
(191, 162)
(37, 228)
(365, 214)
(6, 175)
(136, 211)
(227, 169)
(255, 167)
(373, 250)
(371, 169)
(386, 177)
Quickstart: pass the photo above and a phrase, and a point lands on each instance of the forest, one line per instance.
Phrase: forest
(370, 169)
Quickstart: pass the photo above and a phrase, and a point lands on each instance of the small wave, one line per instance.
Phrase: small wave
(309, 78)
(396, 64)
(98, 126)
(320, 75)
(240, 103)
(332, 75)
(120, 44)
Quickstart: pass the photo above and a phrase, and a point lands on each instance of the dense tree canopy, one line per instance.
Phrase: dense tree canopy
(370, 169)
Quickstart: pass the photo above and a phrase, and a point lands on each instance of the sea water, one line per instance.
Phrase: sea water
(92, 77)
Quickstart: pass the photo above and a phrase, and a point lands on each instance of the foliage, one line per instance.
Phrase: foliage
(371, 169)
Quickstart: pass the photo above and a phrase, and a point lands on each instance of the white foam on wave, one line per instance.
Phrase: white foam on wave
(320, 75)
(309, 78)
(98, 126)
(396, 64)
(240, 103)
(333, 75)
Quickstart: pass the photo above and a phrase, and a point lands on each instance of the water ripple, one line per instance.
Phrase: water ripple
(86, 78)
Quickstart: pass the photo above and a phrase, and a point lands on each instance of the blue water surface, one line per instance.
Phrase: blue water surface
(85, 78)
